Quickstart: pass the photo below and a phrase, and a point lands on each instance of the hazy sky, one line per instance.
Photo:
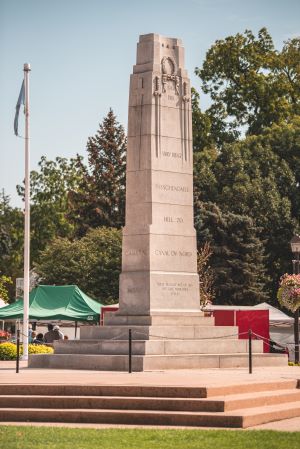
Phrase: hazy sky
(82, 52)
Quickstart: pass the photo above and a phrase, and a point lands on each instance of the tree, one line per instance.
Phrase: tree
(250, 83)
(11, 241)
(92, 262)
(237, 255)
(100, 199)
(210, 128)
(248, 178)
(4, 282)
(49, 187)
(284, 141)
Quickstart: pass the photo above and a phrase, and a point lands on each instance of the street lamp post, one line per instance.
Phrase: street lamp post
(295, 245)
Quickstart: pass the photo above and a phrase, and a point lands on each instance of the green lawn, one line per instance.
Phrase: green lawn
(19, 437)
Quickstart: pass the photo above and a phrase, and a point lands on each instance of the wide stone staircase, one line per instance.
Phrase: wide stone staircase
(168, 341)
(236, 406)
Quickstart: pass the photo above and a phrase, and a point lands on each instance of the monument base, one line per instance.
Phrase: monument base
(174, 340)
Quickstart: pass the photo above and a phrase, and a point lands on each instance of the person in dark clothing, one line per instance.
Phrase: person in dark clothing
(39, 340)
(52, 334)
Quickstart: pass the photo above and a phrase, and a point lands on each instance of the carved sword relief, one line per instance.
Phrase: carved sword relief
(141, 120)
(157, 96)
(186, 122)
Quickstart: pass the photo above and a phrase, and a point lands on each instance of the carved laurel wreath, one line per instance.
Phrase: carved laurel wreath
(165, 62)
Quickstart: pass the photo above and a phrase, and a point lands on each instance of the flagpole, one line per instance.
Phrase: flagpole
(27, 218)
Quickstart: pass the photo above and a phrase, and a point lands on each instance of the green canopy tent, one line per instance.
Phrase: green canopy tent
(51, 302)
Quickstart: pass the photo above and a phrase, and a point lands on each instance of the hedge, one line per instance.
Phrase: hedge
(8, 351)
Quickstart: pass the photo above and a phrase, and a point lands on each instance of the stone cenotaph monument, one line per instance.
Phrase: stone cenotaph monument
(159, 287)
(159, 256)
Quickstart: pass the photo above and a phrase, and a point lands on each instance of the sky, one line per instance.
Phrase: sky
(82, 52)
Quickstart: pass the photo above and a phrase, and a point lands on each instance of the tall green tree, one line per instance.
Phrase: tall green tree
(237, 255)
(49, 187)
(100, 199)
(11, 241)
(284, 141)
(92, 262)
(248, 178)
(250, 83)
(210, 128)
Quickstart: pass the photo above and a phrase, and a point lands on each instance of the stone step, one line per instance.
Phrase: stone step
(198, 361)
(156, 347)
(217, 404)
(257, 399)
(183, 319)
(152, 362)
(261, 415)
(235, 419)
(156, 332)
(148, 390)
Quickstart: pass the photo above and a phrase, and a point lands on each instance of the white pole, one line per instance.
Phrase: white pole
(27, 219)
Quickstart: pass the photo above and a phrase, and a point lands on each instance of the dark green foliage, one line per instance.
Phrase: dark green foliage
(100, 198)
(248, 178)
(237, 255)
(92, 262)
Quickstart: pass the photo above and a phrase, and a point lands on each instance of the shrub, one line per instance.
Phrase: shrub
(39, 349)
(8, 351)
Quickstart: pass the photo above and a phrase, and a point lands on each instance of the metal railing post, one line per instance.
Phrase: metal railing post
(250, 350)
(18, 351)
(129, 351)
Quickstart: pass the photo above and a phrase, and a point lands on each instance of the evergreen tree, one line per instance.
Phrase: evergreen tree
(237, 255)
(254, 178)
(100, 199)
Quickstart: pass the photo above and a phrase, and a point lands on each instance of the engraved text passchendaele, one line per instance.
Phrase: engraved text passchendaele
(168, 187)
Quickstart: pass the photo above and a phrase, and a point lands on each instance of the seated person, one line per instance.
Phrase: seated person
(51, 335)
(39, 340)
(58, 332)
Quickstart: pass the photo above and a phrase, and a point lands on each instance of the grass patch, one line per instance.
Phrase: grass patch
(19, 437)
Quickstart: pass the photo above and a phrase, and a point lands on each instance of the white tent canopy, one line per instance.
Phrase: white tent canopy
(276, 316)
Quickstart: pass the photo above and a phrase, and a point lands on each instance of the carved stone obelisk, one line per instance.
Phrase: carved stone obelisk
(159, 258)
